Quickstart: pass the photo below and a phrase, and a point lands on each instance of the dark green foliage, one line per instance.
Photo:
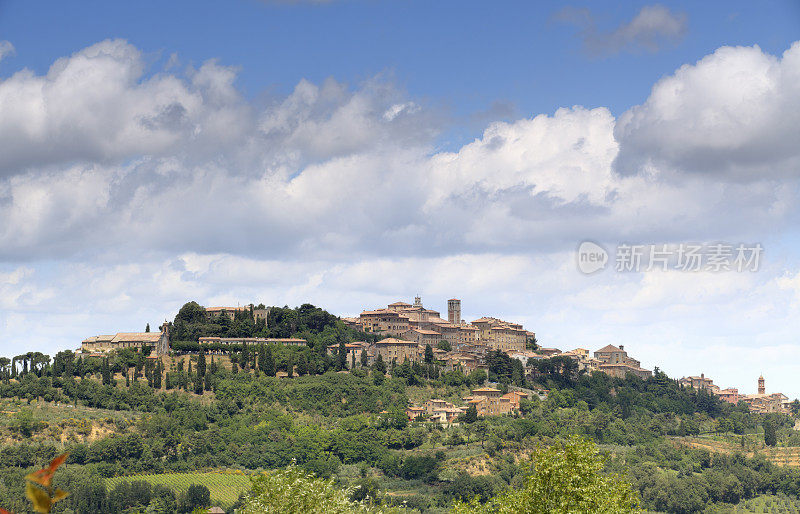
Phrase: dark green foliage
(471, 416)
(106, 371)
(465, 488)
(315, 325)
(421, 467)
(196, 496)
(770, 432)
(253, 423)
(379, 365)
(269, 362)
(701, 480)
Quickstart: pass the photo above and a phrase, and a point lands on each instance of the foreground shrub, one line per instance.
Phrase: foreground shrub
(292, 490)
(565, 478)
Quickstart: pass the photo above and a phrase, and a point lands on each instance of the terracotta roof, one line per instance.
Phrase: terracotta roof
(99, 339)
(399, 303)
(217, 309)
(608, 348)
(392, 340)
(128, 337)
(486, 390)
(357, 344)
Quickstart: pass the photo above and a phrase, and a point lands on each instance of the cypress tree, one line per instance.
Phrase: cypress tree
(302, 365)
(244, 357)
(106, 372)
(157, 375)
(342, 363)
(198, 383)
(201, 363)
(262, 358)
(269, 368)
(290, 365)
(379, 365)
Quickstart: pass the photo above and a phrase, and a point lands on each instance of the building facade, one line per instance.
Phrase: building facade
(615, 362)
(251, 341)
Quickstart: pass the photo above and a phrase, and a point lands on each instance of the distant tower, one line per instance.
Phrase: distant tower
(761, 388)
(417, 301)
(454, 311)
(162, 347)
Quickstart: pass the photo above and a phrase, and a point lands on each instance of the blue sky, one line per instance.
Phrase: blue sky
(352, 153)
(467, 55)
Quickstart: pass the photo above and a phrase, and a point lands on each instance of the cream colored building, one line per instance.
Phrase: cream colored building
(501, 335)
(764, 403)
(698, 383)
(397, 350)
(423, 337)
(230, 312)
(353, 351)
(252, 341)
(615, 362)
(399, 319)
(107, 343)
(489, 401)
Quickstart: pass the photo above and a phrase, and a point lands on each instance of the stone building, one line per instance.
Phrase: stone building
(454, 311)
(764, 403)
(698, 383)
(230, 312)
(107, 343)
(396, 350)
(252, 341)
(615, 362)
(353, 350)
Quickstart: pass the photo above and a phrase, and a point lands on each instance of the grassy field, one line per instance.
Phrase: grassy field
(59, 423)
(225, 487)
(780, 455)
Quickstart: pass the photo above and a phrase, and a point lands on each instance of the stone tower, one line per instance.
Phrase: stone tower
(162, 347)
(454, 311)
(417, 301)
(761, 388)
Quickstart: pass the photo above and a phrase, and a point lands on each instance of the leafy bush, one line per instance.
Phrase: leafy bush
(564, 478)
(292, 490)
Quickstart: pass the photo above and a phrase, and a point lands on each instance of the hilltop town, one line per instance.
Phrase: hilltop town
(411, 333)
(418, 409)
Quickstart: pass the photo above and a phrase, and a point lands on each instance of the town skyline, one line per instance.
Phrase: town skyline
(362, 164)
(515, 349)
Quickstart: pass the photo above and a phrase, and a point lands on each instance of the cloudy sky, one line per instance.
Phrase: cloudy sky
(351, 153)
